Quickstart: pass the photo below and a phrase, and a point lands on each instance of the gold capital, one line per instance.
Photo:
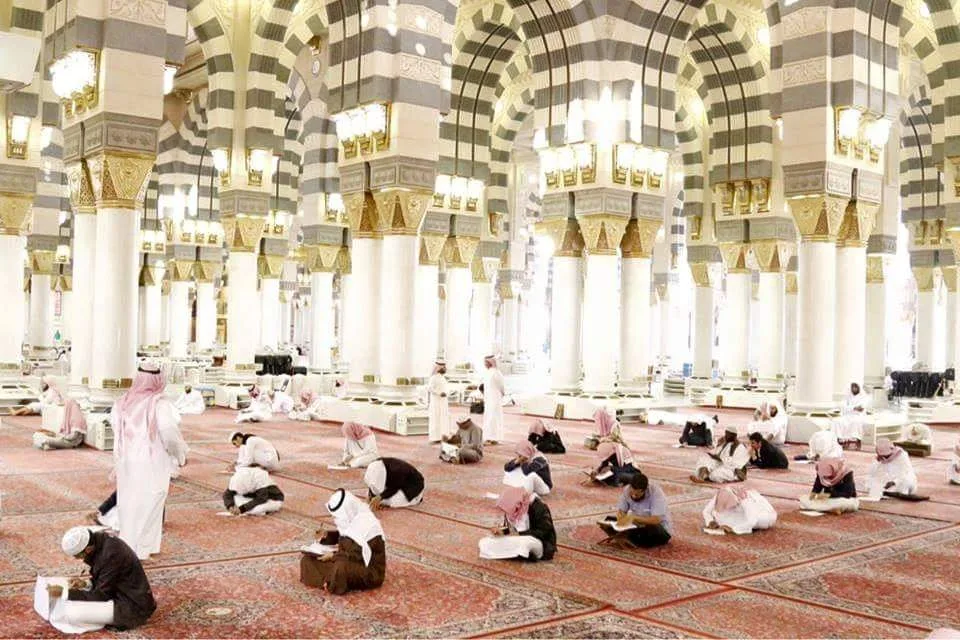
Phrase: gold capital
(639, 237)
(15, 214)
(458, 251)
(148, 276)
(205, 272)
(704, 275)
(857, 223)
(63, 284)
(565, 233)
(736, 257)
(949, 274)
(119, 180)
(772, 256)
(431, 248)
(270, 267)
(321, 258)
(792, 283)
(484, 270)
(181, 270)
(42, 262)
(602, 233)
(242, 233)
(344, 264)
(362, 215)
(399, 212)
(874, 269)
(924, 278)
(818, 217)
(81, 189)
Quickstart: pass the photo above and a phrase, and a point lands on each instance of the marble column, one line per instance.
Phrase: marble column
(875, 350)
(150, 279)
(288, 286)
(635, 356)
(851, 314)
(322, 261)
(736, 353)
(457, 255)
(818, 218)
(181, 276)
(15, 216)
(481, 310)
(705, 277)
(165, 311)
(269, 310)
(243, 234)
(930, 320)
(41, 301)
(601, 325)
(362, 311)
(769, 318)
(790, 325)
(427, 308)
(949, 274)
(66, 313)
(206, 273)
(83, 252)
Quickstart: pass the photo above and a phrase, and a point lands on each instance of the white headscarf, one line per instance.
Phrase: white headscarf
(249, 479)
(824, 444)
(375, 477)
(354, 520)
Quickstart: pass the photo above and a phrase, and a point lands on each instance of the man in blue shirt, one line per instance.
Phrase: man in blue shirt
(642, 515)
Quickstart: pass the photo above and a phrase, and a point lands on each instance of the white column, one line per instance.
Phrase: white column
(41, 312)
(816, 302)
(362, 320)
(770, 325)
(151, 310)
(398, 272)
(84, 276)
(165, 312)
(510, 316)
(458, 286)
(667, 321)
(243, 313)
(206, 316)
(850, 344)
(876, 323)
(791, 324)
(950, 329)
(737, 321)
(115, 317)
(601, 337)
(270, 312)
(704, 335)
(321, 331)
(179, 318)
(66, 315)
(635, 323)
(481, 321)
(11, 282)
(427, 317)
(565, 318)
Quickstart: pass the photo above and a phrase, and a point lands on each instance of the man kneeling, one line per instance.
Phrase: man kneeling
(117, 596)
(252, 492)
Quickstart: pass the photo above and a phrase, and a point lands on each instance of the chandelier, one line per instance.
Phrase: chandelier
(74, 80)
(364, 130)
(456, 192)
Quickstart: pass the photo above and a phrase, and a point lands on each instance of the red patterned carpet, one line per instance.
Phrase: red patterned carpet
(888, 571)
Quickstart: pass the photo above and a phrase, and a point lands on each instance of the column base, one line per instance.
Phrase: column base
(813, 409)
(406, 395)
(362, 391)
(101, 399)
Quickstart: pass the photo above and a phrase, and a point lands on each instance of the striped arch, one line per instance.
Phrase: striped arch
(945, 20)
(771, 10)
(518, 104)
(309, 20)
(919, 176)
(917, 32)
(484, 46)
(178, 164)
(691, 131)
(218, 58)
(730, 61)
(265, 97)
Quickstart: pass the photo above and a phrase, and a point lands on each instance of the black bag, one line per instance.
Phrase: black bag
(476, 407)
(696, 434)
(549, 442)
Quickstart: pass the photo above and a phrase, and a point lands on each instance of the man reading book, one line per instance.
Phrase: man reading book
(643, 519)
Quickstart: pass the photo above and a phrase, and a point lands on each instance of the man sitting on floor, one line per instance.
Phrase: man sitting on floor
(393, 483)
(191, 403)
(738, 510)
(529, 467)
(118, 595)
(465, 446)
(643, 518)
(727, 463)
(891, 472)
(260, 408)
(766, 455)
(49, 396)
(251, 491)
(73, 429)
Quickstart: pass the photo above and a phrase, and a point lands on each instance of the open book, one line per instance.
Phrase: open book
(616, 527)
(318, 549)
(603, 475)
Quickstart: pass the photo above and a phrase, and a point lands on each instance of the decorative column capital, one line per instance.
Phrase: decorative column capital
(602, 233)
(791, 285)
(42, 262)
(857, 224)
(924, 278)
(705, 274)
(565, 233)
(205, 271)
(62, 283)
(639, 237)
(954, 236)
(818, 217)
(736, 256)
(484, 269)
(180, 270)
(344, 263)
(119, 180)
(772, 256)
(431, 248)
(949, 274)
(15, 214)
(242, 233)
(362, 214)
(270, 267)
(875, 269)
(321, 258)
(148, 276)
(399, 212)
(458, 251)
(165, 287)
(81, 189)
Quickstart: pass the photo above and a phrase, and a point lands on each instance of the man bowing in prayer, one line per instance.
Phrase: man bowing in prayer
(493, 390)
(147, 448)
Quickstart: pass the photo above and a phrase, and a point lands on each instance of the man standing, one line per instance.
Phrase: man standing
(493, 390)
(439, 418)
(148, 447)
(118, 594)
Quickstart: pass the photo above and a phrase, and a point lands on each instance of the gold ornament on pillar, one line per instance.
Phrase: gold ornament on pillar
(639, 237)
(792, 283)
(565, 233)
(62, 283)
(400, 212)
(874, 269)
(269, 266)
(148, 277)
(704, 274)
(772, 256)
(119, 180)
(818, 217)
(344, 263)
(205, 272)
(736, 256)
(165, 287)
(483, 270)
(458, 251)
(43, 263)
(431, 248)
(242, 233)
(181, 270)
(924, 277)
(15, 214)
(321, 258)
(362, 215)
(602, 233)
(949, 275)
(81, 189)
(856, 225)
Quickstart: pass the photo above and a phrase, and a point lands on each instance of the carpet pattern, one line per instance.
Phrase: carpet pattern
(888, 571)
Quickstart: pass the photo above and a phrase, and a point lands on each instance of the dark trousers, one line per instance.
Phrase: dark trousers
(108, 504)
(651, 535)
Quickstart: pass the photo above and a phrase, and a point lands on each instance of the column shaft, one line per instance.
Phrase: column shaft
(850, 345)
(790, 334)
(816, 302)
(398, 271)
(770, 325)
(84, 276)
(635, 323)
(11, 282)
(270, 312)
(321, 333)
(243, 316)
(41, 312)
(601, 348)
(930, 331)
(481, 320)
(458, 285)
(565, 316)
(151, 315)
(179, 318)
(427, 314)
(362, 314)
(736, 353)
(705, 335)
(206, 316)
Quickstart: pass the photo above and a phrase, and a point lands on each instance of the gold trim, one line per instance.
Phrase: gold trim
(116, 383)
(16, 214)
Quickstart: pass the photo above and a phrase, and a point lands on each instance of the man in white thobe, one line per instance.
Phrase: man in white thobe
(439, 417)
(190, 402)
(849, 426)
(147, 448)
(727, 463)
(493, 390)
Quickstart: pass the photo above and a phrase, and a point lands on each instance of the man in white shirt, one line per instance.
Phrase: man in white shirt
(849, 426)
(190, 402)
(493, 391)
